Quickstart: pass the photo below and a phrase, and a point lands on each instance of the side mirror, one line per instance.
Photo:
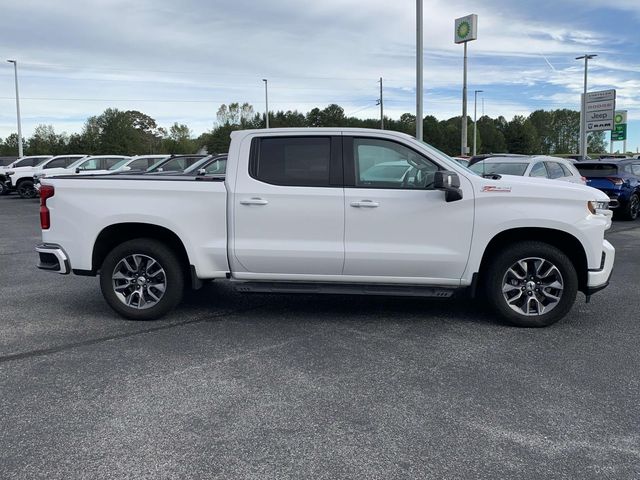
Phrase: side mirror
(202, 171)
(126, 169)
(449, 182)
(77, 169)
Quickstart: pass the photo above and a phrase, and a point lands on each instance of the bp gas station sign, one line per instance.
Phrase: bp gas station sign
(619, 132)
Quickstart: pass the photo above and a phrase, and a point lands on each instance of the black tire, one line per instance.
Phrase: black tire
(26, 189)
(632, 208)
(4, 190)
(498, 277)
(172, 276)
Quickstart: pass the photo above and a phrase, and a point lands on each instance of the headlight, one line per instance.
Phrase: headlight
(9, 172)
(596, 206)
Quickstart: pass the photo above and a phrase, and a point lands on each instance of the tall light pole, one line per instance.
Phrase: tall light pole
(15, 71)
(583, 133)
(475, 119)
(266, 102)
(381, 103)
(419, 66)
(466, 30)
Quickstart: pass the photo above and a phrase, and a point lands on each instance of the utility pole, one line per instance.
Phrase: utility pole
(15, 71)
(475, 120)
(266, 102)
(381, 103)
(483, 106)
(583, 133)
(419, 66)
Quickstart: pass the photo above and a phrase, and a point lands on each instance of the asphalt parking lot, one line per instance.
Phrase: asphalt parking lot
(232, 386)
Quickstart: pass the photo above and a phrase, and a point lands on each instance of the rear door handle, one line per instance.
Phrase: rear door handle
(365, 204)
(253, 201)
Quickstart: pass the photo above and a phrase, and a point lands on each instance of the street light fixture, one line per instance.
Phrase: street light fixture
(475, 121)
(266, 102)
(15, 70)
(583, 133)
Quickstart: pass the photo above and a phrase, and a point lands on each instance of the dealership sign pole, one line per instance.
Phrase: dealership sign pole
(466, 30)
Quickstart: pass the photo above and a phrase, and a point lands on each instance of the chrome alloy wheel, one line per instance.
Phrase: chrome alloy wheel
(139, 281)
(532, 286)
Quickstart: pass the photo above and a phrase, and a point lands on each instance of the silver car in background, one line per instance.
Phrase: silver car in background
(540, 166)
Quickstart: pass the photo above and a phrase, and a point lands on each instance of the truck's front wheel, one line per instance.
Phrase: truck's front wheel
(142, 279)
(531, 284)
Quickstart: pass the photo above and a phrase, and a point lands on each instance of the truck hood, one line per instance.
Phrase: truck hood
(538, 188)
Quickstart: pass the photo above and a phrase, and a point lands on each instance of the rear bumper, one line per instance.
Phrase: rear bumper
(599, 279)
(52, 257)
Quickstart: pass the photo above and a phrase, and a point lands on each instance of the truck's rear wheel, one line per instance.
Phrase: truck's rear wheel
(531, 284)
(142, 279)
(26, 189)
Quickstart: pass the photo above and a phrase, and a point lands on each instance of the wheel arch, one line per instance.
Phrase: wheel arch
(563, 241)
(115, 234)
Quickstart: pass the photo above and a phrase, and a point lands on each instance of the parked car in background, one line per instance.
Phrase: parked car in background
(540, 166)
(94, 164)
(620, 180)
(21, 178)
(175, 163)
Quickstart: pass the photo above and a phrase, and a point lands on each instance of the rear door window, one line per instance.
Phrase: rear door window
(554, 169)
(292, 161)
(539, 170)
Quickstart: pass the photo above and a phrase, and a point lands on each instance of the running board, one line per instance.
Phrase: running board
(346, 289)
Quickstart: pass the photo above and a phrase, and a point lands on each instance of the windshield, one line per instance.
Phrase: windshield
(77, 162)
(119, 164)
(41, 162)
(505, 168)
(177, 164)
(197, 165)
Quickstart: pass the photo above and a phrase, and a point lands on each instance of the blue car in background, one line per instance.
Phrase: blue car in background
(618, 178)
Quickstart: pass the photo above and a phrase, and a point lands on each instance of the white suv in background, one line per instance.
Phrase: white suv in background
(540, 166)
(95, 164)
(21, 178)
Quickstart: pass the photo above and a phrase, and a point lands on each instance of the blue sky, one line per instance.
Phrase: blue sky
(178, 61)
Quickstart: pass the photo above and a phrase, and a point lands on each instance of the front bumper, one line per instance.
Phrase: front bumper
(53, 258)
(599, 279)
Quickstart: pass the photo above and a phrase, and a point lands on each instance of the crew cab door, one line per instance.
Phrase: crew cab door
(288, 208)
(398, 229)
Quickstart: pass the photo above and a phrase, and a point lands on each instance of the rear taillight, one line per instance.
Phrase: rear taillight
(46, 191)
(616, 180)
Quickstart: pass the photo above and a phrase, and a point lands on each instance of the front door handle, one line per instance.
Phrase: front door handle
(365, 204)
(253, 201)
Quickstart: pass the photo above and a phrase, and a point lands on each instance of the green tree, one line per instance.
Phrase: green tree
(492, 137)
(10, 146)
(179, 140)
(45, 141)
(521, 136)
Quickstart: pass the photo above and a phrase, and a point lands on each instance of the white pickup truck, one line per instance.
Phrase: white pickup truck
(331, 210)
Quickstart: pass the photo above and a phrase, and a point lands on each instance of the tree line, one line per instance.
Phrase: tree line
(130, 132)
